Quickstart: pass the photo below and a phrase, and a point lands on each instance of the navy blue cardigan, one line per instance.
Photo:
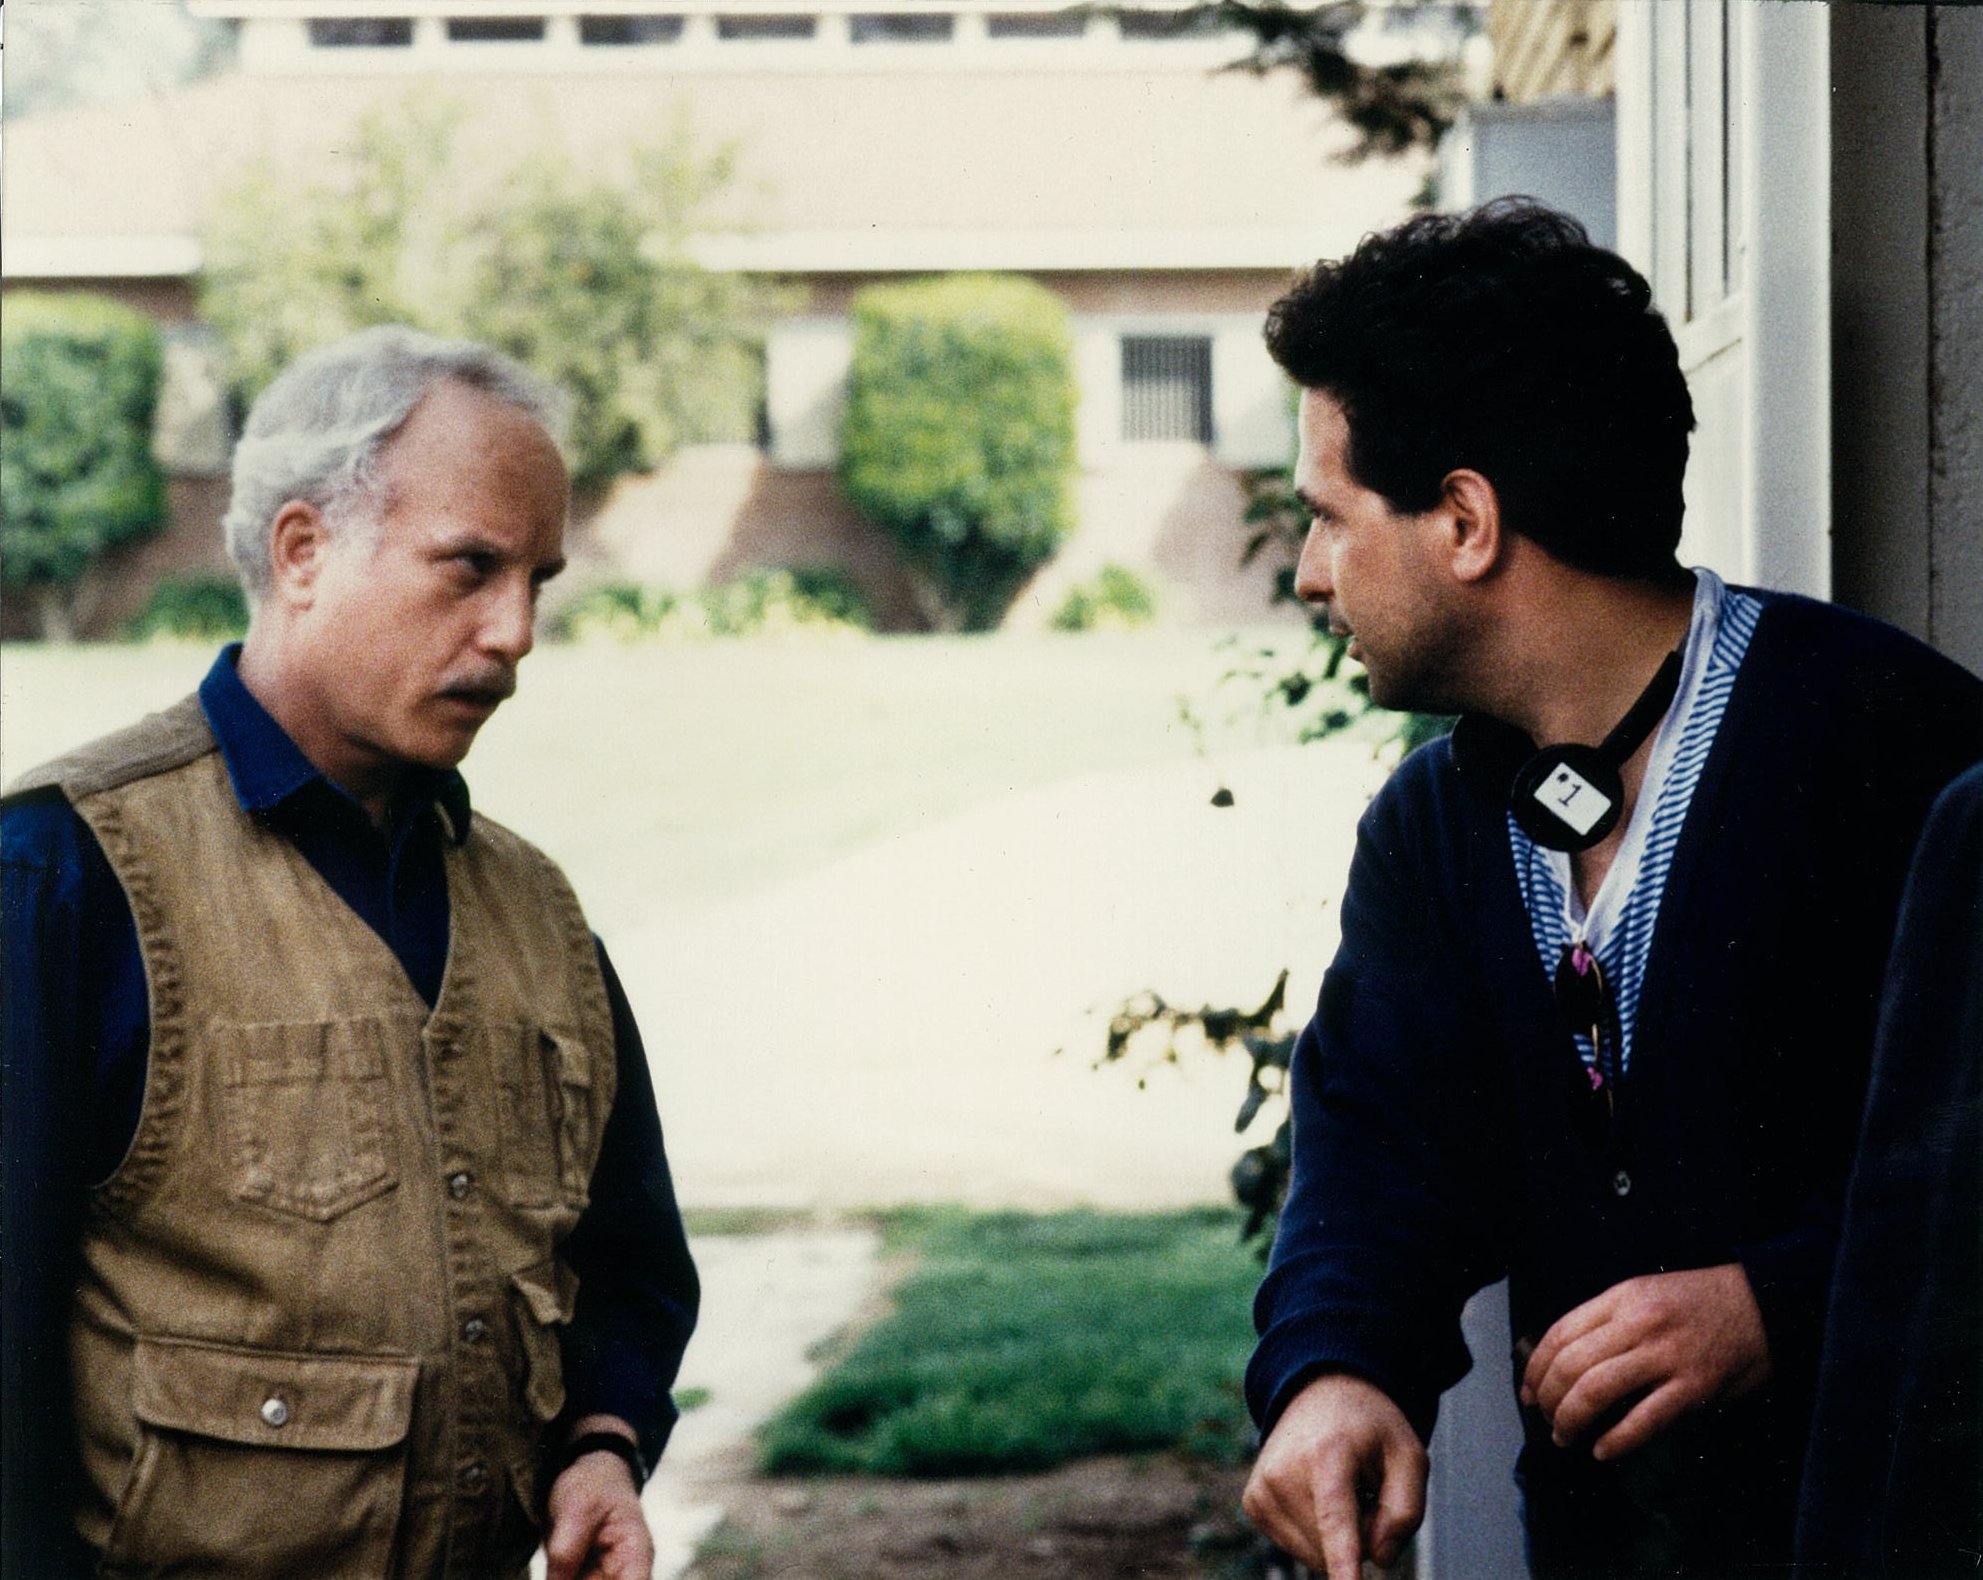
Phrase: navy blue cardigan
(1438, 1142)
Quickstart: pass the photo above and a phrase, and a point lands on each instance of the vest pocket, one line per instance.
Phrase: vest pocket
(262, 1462)
(578, 1121)
(544, 1095)
(547, 1294)
(305, 1109)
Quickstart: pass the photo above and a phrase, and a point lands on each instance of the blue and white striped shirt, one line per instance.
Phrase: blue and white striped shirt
(1618, 928)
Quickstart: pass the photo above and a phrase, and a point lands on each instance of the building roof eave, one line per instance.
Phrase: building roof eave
(878, 250)
(97, 257)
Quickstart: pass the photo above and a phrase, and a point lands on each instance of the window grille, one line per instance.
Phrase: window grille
(622, 30)
(361, 32)
(901, 28)
(495, 29)
(1036, 24)
(773, 25)
(1167, 387)
(1192, 23)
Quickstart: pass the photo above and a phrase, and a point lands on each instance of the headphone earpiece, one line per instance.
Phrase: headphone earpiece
(1570, 797)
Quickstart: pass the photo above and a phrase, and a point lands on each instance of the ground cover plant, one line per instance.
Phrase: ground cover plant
(767, 601)
(1115, 598)
(1022, 1342)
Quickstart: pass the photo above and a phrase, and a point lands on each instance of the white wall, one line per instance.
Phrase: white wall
(1252, 412)
(807, 358)
(1724, 160)
(805, 380)
(1563, 151)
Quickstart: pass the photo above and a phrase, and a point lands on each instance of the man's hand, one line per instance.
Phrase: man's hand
(597, 1529)
(1678, 1340)
(1341, 1478)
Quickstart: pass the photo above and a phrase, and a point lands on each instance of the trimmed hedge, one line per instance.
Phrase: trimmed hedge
(79, 380)
(959, 433)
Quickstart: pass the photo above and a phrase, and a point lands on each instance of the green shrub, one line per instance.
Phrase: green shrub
(200, 606)
(813, 598)
(79, 378)
(959, 433)
(1115, 599)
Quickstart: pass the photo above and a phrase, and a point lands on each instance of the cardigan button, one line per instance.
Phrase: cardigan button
(275, 1410)
(1621, 1184)
(459, 1184)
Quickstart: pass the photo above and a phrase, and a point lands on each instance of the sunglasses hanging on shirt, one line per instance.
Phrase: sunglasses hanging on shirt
(1583, 999)
(1569, 797)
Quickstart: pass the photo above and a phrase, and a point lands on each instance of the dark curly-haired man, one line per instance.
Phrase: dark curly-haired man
(1601, 1015)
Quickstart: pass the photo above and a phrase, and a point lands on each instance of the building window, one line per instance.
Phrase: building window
(361, 32)
(1036, 24)
(1167, 387)
(657, 29)
(778, 25)
(495, 29)
(1192, 23)
(901, 28)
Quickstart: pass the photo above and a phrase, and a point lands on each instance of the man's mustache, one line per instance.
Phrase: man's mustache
(494, 685)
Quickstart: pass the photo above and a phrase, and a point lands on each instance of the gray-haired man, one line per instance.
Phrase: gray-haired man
(339, 1225)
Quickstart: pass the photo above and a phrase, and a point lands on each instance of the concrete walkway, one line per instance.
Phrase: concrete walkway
(767, 1301)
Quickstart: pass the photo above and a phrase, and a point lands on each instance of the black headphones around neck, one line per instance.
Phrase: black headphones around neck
(1569, 797)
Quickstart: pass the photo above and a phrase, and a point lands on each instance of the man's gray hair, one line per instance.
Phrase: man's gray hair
(317, 432)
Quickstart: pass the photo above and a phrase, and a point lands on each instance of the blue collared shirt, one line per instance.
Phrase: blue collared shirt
(76, 1041)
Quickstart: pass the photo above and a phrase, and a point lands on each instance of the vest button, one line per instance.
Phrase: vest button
(1621, 1184)
(275, 1411)
(474, 1477)
(459, 1185)
(474, 1329)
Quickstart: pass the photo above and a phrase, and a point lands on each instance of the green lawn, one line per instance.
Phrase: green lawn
(1020, 1342)
(666, 775)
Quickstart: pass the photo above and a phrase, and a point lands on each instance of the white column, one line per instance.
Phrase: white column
(1785, 202)
(1098, 376)
(1252, 406)
(805, 389)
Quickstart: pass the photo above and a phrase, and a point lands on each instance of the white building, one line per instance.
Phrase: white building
(1164, 199)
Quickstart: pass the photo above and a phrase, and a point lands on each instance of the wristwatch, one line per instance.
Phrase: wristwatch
(593, 1443)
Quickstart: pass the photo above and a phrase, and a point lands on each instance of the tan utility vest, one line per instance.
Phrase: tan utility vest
(317, 1328)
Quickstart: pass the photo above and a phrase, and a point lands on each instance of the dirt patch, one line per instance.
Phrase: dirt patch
(1101, 1519)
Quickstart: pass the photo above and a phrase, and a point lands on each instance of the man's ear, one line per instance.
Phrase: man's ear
(1478, 541)
(299, 540)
